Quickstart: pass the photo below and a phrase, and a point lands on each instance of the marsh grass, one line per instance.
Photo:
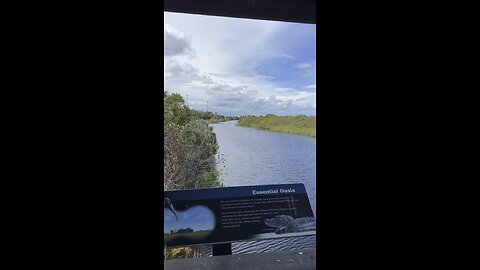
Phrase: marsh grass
(304, 125)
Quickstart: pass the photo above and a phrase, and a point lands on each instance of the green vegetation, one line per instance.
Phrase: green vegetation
(305, 125)
(212, 118)
(190, 153)
(190, 147)
(180, 253)
(191, 235)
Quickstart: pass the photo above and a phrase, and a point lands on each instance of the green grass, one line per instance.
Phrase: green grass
(193, 235)
(304, 125)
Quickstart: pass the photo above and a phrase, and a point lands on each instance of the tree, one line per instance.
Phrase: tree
(175, 111)
(190, 147)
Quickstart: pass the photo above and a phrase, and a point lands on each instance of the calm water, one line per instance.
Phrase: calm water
(257, 157)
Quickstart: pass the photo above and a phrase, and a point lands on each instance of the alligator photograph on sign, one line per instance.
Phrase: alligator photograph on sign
(222, 215)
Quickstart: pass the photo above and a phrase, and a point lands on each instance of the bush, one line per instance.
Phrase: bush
(190, 146)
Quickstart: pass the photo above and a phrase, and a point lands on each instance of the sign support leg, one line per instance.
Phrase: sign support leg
(222, 249)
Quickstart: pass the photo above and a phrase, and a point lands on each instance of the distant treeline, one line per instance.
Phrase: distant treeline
(301, 124)
(182, 230)
(211, 117)
(187, 230)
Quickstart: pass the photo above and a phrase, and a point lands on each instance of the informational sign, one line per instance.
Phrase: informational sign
(223, 215)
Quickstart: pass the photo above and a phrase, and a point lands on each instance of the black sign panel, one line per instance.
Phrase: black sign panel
(222, 215)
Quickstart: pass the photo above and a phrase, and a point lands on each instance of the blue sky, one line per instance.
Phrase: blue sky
(197, 218)
(241, 66)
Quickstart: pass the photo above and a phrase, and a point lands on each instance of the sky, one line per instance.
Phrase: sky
(197, 218)
(240, 67)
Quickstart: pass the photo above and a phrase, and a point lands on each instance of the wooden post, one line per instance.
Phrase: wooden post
(222, 249)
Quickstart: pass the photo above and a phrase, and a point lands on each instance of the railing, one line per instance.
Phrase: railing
(285, 260)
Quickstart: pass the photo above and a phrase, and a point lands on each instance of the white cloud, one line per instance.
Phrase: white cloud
(287, 56)
(303, 65)
(175, 43)
(214, 60)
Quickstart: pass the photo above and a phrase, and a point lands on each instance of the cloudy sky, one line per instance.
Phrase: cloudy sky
(241, 66)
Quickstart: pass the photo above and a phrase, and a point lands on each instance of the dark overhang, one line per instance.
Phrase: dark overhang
(301, 11)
